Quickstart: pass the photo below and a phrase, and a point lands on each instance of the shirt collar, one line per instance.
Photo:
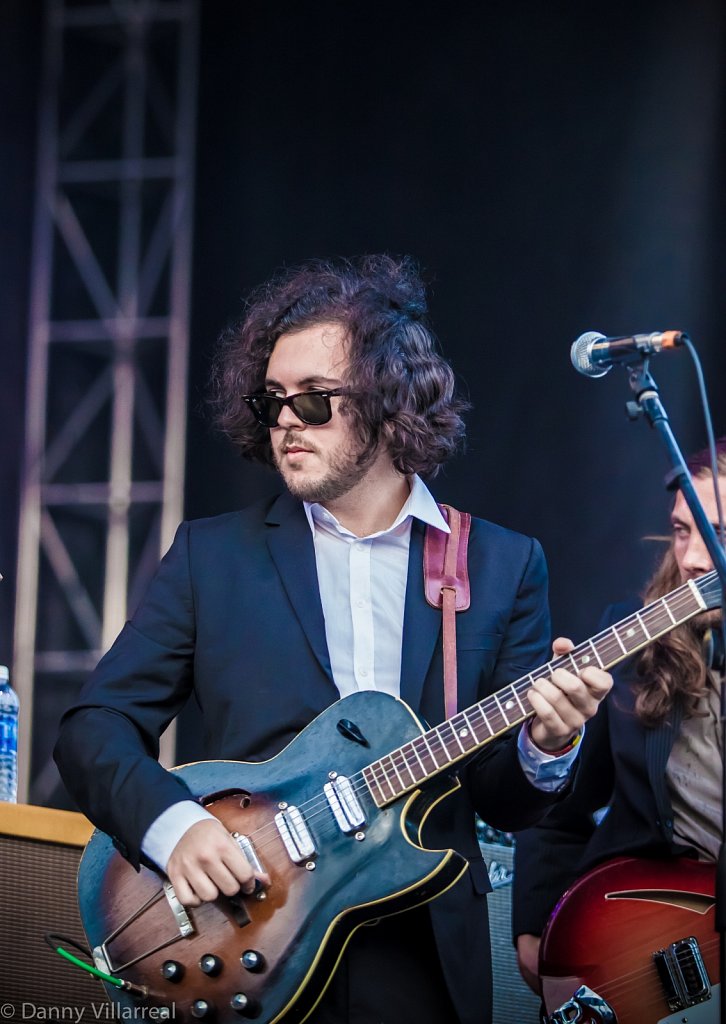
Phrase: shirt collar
(420, 504)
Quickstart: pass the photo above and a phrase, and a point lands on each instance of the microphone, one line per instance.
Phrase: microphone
(593, 354)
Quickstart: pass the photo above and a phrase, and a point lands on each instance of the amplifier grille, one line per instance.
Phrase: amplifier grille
(513, 1000)
(38, 895)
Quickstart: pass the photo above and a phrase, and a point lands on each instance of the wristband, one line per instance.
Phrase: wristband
(555, 753)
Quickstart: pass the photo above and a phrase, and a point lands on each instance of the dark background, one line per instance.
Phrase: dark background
(554, 167)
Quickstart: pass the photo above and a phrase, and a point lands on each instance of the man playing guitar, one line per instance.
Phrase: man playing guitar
(268, 616)
(651, 762)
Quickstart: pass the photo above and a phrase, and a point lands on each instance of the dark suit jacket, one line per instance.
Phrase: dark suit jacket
(234, 617)
(622, 764)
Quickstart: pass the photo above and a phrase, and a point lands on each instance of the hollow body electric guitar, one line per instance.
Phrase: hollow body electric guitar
(634, 942)
(335, 821)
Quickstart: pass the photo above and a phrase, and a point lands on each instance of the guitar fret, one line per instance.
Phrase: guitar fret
(470, 726)
(386, 776)
(453, 743)
(413, 747)
(520, 690)
(412, 765)
(631, 634)
(401, 753)
(398, 774)
(483, 714)
(516, 695)
(660, 618)
(424, 756)
(436, 737)
(500, 709)
(463, 733)
(608, 650)
(597, 655)
(373, 781)
(674, 620)
(456, 737)
(428, 756)
(617, 637)
(643, 626)
(428, 747)
(510, 704)
(584, 657)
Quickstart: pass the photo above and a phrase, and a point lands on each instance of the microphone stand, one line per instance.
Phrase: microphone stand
(647, 402)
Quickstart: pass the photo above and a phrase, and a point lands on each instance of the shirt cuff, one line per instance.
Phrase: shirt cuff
(163, 834)
(547, 772)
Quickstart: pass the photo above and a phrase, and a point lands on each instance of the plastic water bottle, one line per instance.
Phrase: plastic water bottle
(8, 739)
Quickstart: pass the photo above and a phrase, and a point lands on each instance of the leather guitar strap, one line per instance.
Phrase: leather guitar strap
(446, 583)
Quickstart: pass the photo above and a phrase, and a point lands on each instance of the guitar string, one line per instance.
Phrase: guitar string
(617, 986)
(409, 756)
(623, 982)
(489, 707)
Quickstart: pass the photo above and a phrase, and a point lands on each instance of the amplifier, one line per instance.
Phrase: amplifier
(513, 1000)
(39, 853)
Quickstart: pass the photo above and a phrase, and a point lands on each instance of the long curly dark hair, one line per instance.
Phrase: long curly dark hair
(403, 390)
(673, 670)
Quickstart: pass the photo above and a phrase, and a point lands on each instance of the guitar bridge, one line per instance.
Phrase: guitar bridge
(683, 974)
(180, 915)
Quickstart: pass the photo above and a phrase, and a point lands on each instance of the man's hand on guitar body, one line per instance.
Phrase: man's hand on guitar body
(565, 701)
(207, 862)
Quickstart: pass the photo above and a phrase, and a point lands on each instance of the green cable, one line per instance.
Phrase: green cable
(87, 967)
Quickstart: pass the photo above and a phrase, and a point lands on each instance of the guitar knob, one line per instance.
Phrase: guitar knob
(210, 964)
(243, 1005)
(252, 960)
(202, 1009)
(172, 970)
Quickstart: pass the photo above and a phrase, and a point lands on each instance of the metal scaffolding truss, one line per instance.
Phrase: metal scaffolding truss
(103, 478)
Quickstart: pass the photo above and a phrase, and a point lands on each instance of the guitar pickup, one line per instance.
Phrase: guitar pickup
(295, 835)
(683, 974)
(249, 851)
(344, 804)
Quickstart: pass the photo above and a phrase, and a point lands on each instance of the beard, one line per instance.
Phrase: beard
(345, 469)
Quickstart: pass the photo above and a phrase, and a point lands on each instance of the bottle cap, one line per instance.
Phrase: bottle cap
(4, 674)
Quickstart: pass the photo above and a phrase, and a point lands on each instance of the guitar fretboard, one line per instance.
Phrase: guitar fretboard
(432, 752)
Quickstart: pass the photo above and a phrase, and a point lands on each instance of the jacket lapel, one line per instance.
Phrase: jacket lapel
(421, 625)
(290, 544)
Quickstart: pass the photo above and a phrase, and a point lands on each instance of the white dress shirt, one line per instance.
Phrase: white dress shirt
(362, 586)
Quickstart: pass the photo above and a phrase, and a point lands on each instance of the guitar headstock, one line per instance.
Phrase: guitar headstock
(709, 587)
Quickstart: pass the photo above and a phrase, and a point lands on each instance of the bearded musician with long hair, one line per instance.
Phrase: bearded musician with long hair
(651, 761)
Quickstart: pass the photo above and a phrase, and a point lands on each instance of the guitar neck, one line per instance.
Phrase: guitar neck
(419, 760)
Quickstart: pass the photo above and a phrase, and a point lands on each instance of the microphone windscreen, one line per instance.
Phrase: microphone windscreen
(580, 355)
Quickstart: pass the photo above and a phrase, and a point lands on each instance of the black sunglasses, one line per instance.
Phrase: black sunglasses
(312, 407)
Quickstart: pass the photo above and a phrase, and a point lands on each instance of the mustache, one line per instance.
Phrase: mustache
(290, 440)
